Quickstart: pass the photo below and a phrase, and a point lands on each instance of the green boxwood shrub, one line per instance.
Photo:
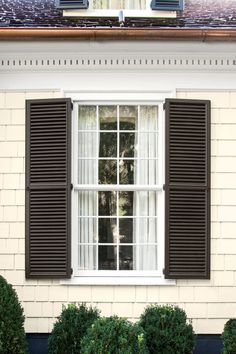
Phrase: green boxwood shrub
(114, 335)
(69, 329)
(12, 333)
(229, 337)
(167, 330)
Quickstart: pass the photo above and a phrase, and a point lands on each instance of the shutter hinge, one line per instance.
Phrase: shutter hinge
(164, 187)
(71, 271)
(71, 186)
(164, 106)
(72, 106)
(163, 271)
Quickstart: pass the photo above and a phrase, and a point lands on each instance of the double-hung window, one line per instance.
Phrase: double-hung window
(118, 194)
(108, 214)
(129, 8)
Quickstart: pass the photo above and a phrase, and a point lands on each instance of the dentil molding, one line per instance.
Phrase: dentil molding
(75, 62)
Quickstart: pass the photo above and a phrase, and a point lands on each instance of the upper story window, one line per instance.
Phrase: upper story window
(111, 8)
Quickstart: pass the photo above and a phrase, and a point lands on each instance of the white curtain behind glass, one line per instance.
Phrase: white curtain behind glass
(119, 4)
(87, 174)
(145, 203)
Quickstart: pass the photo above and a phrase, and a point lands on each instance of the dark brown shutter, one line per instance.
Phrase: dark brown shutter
(48, 188)
(187, 189)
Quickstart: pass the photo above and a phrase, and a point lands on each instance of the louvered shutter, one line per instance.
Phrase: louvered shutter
(48, 188)
(187, 189)
(167, 5)
(72, 4)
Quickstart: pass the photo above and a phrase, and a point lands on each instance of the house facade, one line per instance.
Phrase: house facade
(92, 208)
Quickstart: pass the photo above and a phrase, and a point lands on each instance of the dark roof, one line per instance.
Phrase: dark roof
(43, 13)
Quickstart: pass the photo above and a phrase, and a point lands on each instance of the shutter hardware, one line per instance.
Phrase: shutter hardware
(71, 271)
(71, 186)
(164, 106)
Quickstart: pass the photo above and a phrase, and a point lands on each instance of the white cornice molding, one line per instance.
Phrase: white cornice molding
(112, 61)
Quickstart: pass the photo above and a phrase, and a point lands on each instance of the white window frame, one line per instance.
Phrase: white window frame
(118, 277)
(147, 13)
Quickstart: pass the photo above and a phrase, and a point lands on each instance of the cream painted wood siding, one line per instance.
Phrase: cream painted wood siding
(209, 303)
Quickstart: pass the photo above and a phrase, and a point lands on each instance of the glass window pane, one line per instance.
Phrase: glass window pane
(107, 256)
(108, 117)
(146, 230)
(108, 145)
(126, 203)
(87, 144)
(107, 203)
(117, 4)
(128, 117)
(101, 4)
(127, 144)
(146, 203)
(87, 230)
(148, 120)
(126, 230)
(87, 257)
(107, 172)
(147, 145)
(87, 203)
(126, 257)
(87, 171)
(107, 230)
(121, 4)
(146, 257)
(87, 118)
(147, 172)
(126, 170)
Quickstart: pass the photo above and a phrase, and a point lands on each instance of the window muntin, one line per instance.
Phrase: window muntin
(119, 169)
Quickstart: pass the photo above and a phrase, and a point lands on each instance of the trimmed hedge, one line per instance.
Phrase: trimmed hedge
(114, 335)
(70, 328)
(167, 330)
(12, 333)
(229, 337)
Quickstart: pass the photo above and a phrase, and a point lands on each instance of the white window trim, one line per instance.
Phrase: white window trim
(141, 13)
(121, 277)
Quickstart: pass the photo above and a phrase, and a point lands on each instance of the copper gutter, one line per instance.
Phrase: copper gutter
(105, 34)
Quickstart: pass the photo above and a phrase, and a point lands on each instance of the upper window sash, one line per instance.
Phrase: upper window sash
(156, 186)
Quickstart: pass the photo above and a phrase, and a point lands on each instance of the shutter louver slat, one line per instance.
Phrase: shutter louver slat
(72, 4)
(48, 181)
(187, 196)
(166, 5)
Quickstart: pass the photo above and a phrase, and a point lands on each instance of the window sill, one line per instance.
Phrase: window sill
(111, 280)
(115, 13)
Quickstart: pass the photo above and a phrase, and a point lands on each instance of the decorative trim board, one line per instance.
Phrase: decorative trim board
(116, 62)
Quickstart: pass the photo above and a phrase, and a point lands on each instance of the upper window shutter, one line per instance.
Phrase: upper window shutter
(187, 189)
(72, 4)
(167, 5)
(48, 188)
